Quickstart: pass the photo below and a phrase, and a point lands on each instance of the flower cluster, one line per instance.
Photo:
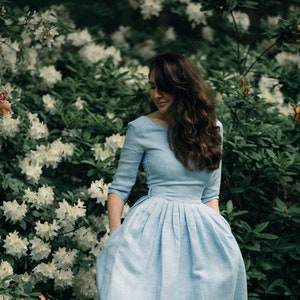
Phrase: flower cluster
(45, 155)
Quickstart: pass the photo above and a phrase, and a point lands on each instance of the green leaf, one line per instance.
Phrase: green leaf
(271, 153)
(260, 227)
(229, 206)
(268, 236)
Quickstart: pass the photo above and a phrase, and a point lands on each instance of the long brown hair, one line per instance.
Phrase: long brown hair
(193, 133)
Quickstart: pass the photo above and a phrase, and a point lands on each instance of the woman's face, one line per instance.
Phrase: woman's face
(162, 100)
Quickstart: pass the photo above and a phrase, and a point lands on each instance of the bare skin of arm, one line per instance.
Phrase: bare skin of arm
(114, 207)
(214, 204)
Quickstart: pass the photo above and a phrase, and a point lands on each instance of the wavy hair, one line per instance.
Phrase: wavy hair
(193, 132)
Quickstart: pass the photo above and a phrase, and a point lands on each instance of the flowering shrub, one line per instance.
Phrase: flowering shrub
(66, 95)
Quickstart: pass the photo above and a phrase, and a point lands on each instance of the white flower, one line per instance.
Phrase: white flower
(15, 245)
(39, 33)
(99, 190)
(114, 54)
(110, 115)
(30, 58)
(47, 231)
(45, 195)
(79, 103)
(68, 214)
(195, 16)
(9, 126)
(270, 90)
(8, 51)
(100, 223)
(14, 211)
(50, 75)
(49, 155)
(95, 53)
(57, 151)
(63, 258)
(49, 103)
(38, 130)
(134, 4)
(39, 249)
(208, 33)
(31, 169)
(150, 8)
(273, 20)
(5, 270)
(44, 271)
(285, 57)
(30, 196)
(50, 34)
(43, 198)
(92, 52)
(142, 72)
(63, 279)
(84, 286)
(115, 142)
(85, 238)
(80, 38)
(241, 19)
(100, 153)
(170, 34)
(119, 37)
(145, 49)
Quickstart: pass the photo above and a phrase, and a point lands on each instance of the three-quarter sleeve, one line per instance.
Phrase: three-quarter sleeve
(212, 189)
(130, 159)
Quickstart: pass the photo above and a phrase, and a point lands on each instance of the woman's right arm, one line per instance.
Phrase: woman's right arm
(125, 176)
(115, 206)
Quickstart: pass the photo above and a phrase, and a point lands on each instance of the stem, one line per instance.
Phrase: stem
(258, 58)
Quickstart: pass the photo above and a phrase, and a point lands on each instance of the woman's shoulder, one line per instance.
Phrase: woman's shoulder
(138, 122)
(148, 122)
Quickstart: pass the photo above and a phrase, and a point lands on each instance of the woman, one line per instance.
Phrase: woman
(173, 244)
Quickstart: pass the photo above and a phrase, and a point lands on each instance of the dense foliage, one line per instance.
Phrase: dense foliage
(72, 77)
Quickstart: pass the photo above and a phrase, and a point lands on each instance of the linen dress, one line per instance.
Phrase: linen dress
(171, 246)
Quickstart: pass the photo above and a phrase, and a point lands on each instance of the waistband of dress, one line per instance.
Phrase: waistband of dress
(161, 193)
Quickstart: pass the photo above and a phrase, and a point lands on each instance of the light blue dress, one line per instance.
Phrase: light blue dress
(171, 245)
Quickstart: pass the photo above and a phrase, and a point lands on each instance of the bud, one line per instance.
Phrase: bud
(246, 90)
(226, 181)
(243, 81)
(297, 112)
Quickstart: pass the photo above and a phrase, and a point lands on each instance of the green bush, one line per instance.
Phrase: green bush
(75, 83)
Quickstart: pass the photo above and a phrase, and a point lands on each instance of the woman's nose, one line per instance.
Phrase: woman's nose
(157, 93)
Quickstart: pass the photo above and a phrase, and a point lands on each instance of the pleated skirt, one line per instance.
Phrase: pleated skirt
(171, 249)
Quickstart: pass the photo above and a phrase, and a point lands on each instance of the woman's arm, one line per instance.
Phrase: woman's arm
(115, 206)
(214, 204)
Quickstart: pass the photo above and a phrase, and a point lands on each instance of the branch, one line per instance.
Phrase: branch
(258, 58)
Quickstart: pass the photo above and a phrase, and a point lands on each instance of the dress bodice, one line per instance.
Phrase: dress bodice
(147, 143)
